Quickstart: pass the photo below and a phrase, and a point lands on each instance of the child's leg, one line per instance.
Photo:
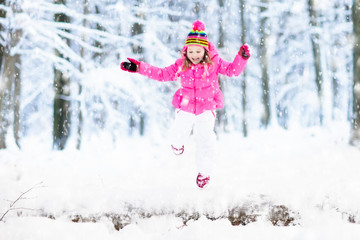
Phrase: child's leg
(205, 139)
(181, 129)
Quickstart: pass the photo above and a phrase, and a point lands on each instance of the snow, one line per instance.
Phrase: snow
(129, 187)
(311, 171)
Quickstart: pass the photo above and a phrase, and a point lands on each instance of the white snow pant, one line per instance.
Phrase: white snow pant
(203, 131)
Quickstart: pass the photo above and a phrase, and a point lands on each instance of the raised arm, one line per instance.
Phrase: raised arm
(234, 68)
(156, 73)
(160, 74)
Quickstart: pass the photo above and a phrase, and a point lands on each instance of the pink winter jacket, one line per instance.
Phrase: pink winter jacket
(198, 92)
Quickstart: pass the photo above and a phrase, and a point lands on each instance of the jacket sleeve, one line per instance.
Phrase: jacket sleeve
(232, 69)
(160, 74)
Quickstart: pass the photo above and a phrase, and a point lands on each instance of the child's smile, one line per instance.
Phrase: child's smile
(195, 54)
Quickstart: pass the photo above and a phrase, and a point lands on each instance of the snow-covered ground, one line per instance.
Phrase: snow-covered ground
(312, 172)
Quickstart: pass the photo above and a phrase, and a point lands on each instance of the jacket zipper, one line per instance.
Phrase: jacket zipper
(194, 94)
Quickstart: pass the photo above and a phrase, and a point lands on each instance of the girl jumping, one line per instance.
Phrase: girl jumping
(198, 97)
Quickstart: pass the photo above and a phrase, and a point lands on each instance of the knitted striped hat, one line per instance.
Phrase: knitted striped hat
(197, 36)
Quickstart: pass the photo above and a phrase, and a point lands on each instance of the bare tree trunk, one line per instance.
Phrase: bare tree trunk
(2, 47)
(315, 38)
(221, 118)
(3, 86)
(82, 54)
(138, 28)
(17, 81)
(265, 120)
(61, 100)
(10, 85)
(243, 80)
(17, 91)
(99, 56)
(10, 98)
(335, 86)
(221, 41)
(355, 135)
(5, 97)
(334, 71)
(196, 9)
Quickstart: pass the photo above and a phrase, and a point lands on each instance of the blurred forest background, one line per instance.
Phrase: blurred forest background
(61, 84)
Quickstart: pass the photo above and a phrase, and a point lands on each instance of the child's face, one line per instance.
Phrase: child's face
(195, 54)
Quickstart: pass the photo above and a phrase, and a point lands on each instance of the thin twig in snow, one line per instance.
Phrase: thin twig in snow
(21, 196)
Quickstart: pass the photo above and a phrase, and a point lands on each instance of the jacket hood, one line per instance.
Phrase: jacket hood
(212, 50)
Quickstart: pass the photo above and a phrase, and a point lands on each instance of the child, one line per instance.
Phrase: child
(199, 95)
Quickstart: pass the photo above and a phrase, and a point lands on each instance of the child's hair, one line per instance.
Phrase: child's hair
(206, 61)
(186, 64)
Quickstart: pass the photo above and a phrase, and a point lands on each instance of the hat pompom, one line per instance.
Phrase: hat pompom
(198, 25)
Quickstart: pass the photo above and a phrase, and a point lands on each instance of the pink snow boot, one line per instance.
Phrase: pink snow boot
(202, 181)
(178, 151)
